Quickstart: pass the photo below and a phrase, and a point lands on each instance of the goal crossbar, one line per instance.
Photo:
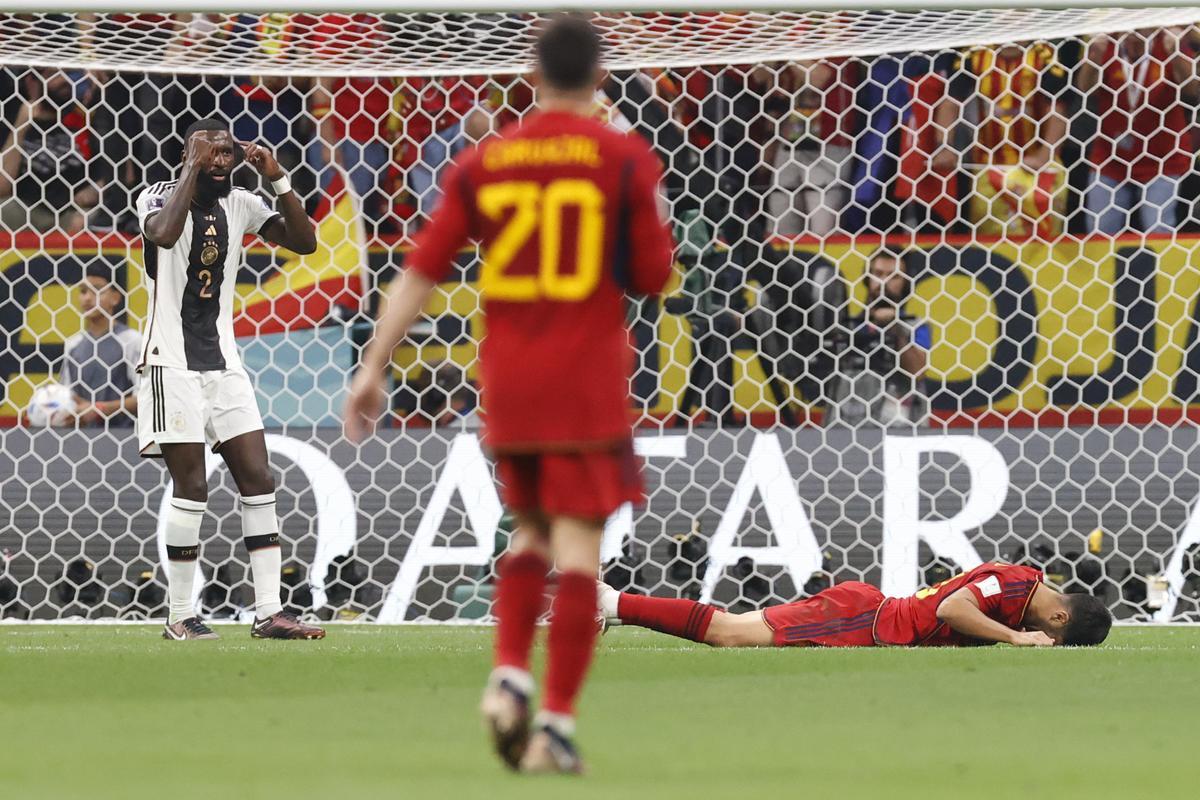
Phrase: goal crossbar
(422, 41)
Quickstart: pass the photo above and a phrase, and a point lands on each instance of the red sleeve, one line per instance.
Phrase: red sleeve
(448, 229)
(1004, 586)
(651, 248)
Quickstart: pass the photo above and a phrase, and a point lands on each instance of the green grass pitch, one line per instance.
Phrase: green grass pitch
(115, 712)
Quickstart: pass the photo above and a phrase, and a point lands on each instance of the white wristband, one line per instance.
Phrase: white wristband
(281, 186)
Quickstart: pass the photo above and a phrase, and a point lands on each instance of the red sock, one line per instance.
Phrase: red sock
(686, 619)
(572, 640)
(517, 606)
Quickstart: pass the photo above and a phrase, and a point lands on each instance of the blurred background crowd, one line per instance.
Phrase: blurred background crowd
(1039, 140)
(1080, 135)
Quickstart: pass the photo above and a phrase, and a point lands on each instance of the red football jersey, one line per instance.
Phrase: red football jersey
(566, 209)
(1145, 127)
(1003, 592)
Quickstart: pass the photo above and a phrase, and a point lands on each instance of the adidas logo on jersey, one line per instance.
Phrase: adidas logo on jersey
(212, 231)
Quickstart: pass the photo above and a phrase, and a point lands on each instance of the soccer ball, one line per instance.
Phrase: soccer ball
(49, 400)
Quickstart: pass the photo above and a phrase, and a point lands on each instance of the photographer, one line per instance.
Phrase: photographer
(710, 299)
(886, 349)
(713, 298)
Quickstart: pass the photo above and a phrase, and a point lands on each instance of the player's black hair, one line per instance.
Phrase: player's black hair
(1090, 620)
(207, 124)
(214, 124)
(568, 52)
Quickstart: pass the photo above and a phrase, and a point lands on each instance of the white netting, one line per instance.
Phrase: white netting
(1026, 393)
(451, 43)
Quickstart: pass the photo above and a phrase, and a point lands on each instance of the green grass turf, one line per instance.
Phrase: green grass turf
(115, 712)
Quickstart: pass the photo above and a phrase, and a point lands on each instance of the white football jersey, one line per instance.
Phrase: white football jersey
(191, 285)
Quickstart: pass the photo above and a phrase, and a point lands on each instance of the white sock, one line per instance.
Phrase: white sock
(517, 677)
(184, 518)
(563, 724)
(260, 531)
(610, 598)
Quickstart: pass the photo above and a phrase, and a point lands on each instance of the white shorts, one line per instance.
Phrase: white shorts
(178, 406)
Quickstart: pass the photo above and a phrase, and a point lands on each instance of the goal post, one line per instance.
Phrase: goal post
(935, 302)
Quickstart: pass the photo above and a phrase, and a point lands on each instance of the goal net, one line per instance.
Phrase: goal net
(934, 302)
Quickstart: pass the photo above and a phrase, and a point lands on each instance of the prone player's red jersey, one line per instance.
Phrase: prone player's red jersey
(1003, 592)
(566, 209)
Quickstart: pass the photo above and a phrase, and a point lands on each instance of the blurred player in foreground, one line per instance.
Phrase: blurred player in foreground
(194, 389)
(991, 603)
(566, 209)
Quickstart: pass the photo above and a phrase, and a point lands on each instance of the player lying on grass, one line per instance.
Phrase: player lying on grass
(991, 603)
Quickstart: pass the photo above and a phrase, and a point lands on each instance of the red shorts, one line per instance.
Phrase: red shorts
(840, 616)
(589, 485)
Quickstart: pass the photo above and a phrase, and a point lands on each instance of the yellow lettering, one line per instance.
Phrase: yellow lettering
(553, 151)
(542, 209)
(587, 197)
(493, 200)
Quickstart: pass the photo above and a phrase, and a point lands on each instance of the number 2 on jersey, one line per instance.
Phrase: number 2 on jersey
(206, 290)
(540, 209)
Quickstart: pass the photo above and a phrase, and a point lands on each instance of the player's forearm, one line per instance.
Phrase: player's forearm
(166, 226)
(299, 233)
(407, 296)
(968, 620)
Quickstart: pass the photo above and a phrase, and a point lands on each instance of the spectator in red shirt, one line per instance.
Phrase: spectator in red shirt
(812, 163)
(684, 92)
(354, 114)
(438, 117)
(1137, 83)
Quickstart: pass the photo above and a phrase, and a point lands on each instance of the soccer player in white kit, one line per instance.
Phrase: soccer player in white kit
(193, 390)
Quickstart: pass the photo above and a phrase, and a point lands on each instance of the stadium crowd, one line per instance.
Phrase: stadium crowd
(1083, 135)
(1077, 135)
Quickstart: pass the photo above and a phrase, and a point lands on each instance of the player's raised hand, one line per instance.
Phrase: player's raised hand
(364, 403)
(262, 160)
(200, 152)
(1032, 639)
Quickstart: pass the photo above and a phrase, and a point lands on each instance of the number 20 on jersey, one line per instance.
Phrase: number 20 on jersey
(532, 208)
